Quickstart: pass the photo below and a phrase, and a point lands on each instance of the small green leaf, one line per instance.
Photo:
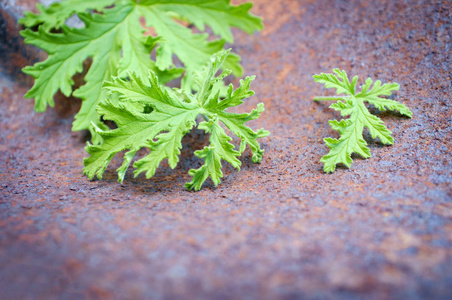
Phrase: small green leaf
(351, 130)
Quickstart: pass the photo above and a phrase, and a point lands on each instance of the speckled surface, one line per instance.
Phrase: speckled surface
(282, 229)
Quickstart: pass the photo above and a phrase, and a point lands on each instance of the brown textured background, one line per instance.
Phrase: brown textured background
(282, 229)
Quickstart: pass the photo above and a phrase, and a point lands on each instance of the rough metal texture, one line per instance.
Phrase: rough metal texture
(281, 229)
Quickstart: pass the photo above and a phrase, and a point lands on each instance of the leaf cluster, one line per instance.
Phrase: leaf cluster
(114, 39)
(126, 86)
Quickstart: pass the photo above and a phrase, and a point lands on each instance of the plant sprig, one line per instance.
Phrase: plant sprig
(352, 104)
(174, 113)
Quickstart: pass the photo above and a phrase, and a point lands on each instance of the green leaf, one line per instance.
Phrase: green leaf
(217, 14)
(339, 81)
(55, 15)
(135, 129)
(236, 123)
(351, 130)
(103, 39)
(192, 49)
(172, 114)
(219, 148)
(113, 38)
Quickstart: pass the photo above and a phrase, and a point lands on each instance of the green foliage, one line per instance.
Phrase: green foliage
(55, 15)
(113, 38)
(151, 116)
(351, 130)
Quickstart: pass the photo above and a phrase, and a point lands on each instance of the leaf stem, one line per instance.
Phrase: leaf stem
(328, 98)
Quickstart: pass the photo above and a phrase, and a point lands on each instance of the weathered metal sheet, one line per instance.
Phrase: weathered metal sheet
(281, 229)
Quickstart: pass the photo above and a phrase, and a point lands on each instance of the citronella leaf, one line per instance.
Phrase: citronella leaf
(236, 123)
(351, 130)
(219, 148)
(135, 129)
(219, 15)
(172, 114)
(56, 14)
(192, 49)
(114, 40)
(103, 39)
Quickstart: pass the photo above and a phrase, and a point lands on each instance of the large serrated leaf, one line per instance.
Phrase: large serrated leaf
(170, 118)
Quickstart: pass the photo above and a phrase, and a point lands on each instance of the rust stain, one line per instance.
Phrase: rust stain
(282, 229)
(287, 68)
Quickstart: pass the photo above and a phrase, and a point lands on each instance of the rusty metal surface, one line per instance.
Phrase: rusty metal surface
(282, 229)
